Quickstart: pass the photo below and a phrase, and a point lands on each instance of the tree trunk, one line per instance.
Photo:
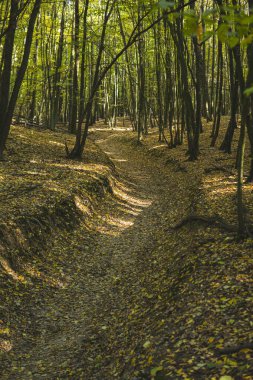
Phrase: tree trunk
(6, 119)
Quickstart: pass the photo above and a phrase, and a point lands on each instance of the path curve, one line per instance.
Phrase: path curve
(82, 329)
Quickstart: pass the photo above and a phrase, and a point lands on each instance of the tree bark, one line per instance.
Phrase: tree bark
(6, 118)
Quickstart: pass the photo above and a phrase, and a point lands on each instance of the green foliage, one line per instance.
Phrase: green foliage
(155, 370)
(248, 91)
(227, 36)
(190, 23)
(164, 4)
(208, 15)
(236, 26)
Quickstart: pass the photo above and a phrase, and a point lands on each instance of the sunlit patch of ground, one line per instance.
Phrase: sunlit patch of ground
(5, 338)
(127, 204)
(5, 345)
(47, 280)
(7, 268)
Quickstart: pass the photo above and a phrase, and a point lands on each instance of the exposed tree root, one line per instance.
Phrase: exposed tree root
(213, 220)
(234, 349)
(218, 169)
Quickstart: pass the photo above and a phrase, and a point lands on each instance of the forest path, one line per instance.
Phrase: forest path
(80, 329)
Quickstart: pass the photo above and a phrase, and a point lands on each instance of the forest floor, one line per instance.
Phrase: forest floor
(96, 281)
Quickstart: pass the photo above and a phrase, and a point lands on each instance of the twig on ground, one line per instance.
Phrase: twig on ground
(234, 349)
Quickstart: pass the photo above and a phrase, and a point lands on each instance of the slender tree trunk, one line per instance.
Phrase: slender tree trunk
(57, 76)
(168, 114)
(227, 142)
(5, 121)
(219, 88)
(6, 71)
(73, 111)
(249, 83)
(132, 107)
(87, 113)
(245, 119)
(199, 79)
(157, 40)
(187, 99)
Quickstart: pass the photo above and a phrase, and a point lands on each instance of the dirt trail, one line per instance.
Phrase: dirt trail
(80, 329)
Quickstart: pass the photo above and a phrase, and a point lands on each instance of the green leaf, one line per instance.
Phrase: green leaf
(233, 41)
(147, 344)
(166, 4)
(247, 40)
(155, 370)
(223, 32)
(208, 12)
(211, 365)
(246, 20)
(226, 378)
(248, 91)
(190, 24)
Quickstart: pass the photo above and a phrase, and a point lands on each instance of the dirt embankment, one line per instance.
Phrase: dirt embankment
(43, 197)
(41, 191)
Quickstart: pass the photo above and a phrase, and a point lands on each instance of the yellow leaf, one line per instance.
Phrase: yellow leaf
(147, 344)
(150, 359)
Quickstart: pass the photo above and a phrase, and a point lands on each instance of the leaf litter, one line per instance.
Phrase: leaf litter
(96, 282)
